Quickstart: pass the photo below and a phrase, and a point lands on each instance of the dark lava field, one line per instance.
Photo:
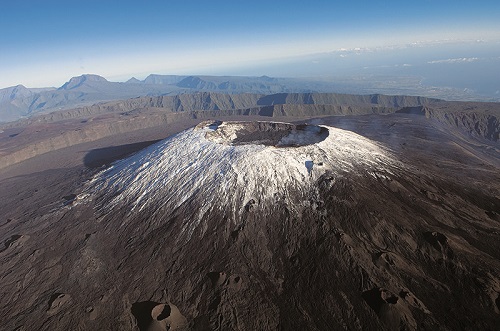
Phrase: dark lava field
(410, 246)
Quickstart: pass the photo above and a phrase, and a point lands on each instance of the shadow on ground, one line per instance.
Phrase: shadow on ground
(104, 156)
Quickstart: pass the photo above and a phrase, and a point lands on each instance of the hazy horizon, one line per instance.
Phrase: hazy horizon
(49, 42)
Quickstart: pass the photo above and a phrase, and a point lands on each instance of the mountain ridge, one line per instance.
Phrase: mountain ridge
(281, 102)
(91, 89)
(469, 120)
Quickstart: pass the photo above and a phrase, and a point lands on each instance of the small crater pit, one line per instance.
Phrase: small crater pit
(385, 305)
(142, 313)
(265, 133)
(235, 282)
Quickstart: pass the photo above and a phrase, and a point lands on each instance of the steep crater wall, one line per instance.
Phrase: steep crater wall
(265, 133)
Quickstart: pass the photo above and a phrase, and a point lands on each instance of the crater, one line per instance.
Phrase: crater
(264, 133)
(152, 315)
(142, 312)
(384, 304)
(161, 312)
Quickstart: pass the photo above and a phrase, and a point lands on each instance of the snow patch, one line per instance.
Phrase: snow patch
(194, 164)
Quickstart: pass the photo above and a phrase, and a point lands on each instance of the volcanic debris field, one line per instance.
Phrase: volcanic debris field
(389, 220)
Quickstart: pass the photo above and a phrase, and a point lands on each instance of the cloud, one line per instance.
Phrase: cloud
(457, 60)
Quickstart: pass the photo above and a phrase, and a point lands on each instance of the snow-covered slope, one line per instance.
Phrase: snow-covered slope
(235, 164)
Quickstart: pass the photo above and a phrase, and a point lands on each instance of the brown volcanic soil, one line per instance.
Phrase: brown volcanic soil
(415, 250)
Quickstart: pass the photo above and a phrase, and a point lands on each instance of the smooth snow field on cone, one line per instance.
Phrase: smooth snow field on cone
(233, 164)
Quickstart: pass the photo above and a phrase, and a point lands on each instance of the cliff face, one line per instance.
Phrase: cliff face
(222, 101)
(480, 120)
(345, 99)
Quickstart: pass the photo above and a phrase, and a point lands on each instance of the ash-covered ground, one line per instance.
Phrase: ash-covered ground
(352, 222)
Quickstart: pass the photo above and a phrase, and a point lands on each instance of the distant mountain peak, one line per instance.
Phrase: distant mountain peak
(14, 92)
(133, 80)
(20, 90)
(79, 80)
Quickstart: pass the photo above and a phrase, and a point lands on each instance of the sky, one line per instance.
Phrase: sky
(44, 43)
